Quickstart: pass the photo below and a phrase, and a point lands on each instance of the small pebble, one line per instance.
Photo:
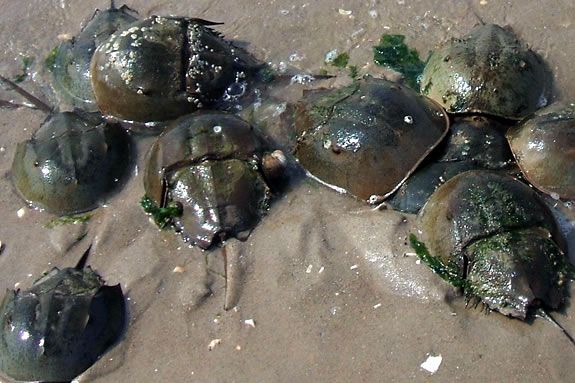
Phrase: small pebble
(178, 269)
(20, 213)
(250, 322)
(353, 267)
(309, 268)
(377, 306)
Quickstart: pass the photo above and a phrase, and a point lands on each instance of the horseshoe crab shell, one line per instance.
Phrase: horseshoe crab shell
(496, 237)
(367, 138)
(544, 147)
(60, 326)
(163, 67)
(72, 163)
(487, 71)
(71, 70)
(209, 164)
(473, 143)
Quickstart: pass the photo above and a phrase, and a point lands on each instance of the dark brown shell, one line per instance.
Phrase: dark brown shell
(544, 147)
(487, 71)
(367, 138)
(210, 164)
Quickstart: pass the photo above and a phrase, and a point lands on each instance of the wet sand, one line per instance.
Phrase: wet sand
(327, 282)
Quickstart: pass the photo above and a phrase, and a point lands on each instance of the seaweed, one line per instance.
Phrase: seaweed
(444, 271)
(68, 220)
(341, 60)
(162, 216)
(392, 52)
(26, 64)
(50, 60)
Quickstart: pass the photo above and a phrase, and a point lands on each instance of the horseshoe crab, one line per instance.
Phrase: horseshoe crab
(368, 137)
(71, 67)
(544, 147)
(210, 171)
(494, 236)
(473, 143)
(163, 67)
(488, 71)
(59, 327)
(72, 162)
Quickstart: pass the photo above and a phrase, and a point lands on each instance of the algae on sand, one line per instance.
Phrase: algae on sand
(392, 52)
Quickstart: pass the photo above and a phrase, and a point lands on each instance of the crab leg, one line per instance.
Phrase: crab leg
(28, 96)
(233, 274)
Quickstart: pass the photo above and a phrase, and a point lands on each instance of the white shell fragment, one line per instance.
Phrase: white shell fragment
(432, 363)
(213, 344)
(20, 213)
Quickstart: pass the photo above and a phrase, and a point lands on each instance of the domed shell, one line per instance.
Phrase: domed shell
(72, 163)
(60, 326)
(71, 69)
(474, 205)
(367, 138)
(487, 71)
(544, 147)
(493, 236)
(163, 67)
(209, 164)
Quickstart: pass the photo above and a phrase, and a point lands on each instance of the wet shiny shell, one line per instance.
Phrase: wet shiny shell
(473, 143)
(366, 138)
(60, 326)
(163, 67)
(544, 147)
(71, 71)
(487, 71)
(210, 164)
(71, 164)
(491, 229)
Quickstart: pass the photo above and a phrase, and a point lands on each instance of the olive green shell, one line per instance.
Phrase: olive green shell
(490, 229)
(209, 163)
(544, 147)
(487, 71)
(71, 70)
(163, 67)
(71, 164)
(60, 326)
(367, 138)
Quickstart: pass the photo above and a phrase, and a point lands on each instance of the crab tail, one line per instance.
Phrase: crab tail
(545, 315)
(27, 95)
(84, 259)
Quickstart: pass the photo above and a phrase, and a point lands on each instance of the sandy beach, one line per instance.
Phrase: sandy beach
(325, 289)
